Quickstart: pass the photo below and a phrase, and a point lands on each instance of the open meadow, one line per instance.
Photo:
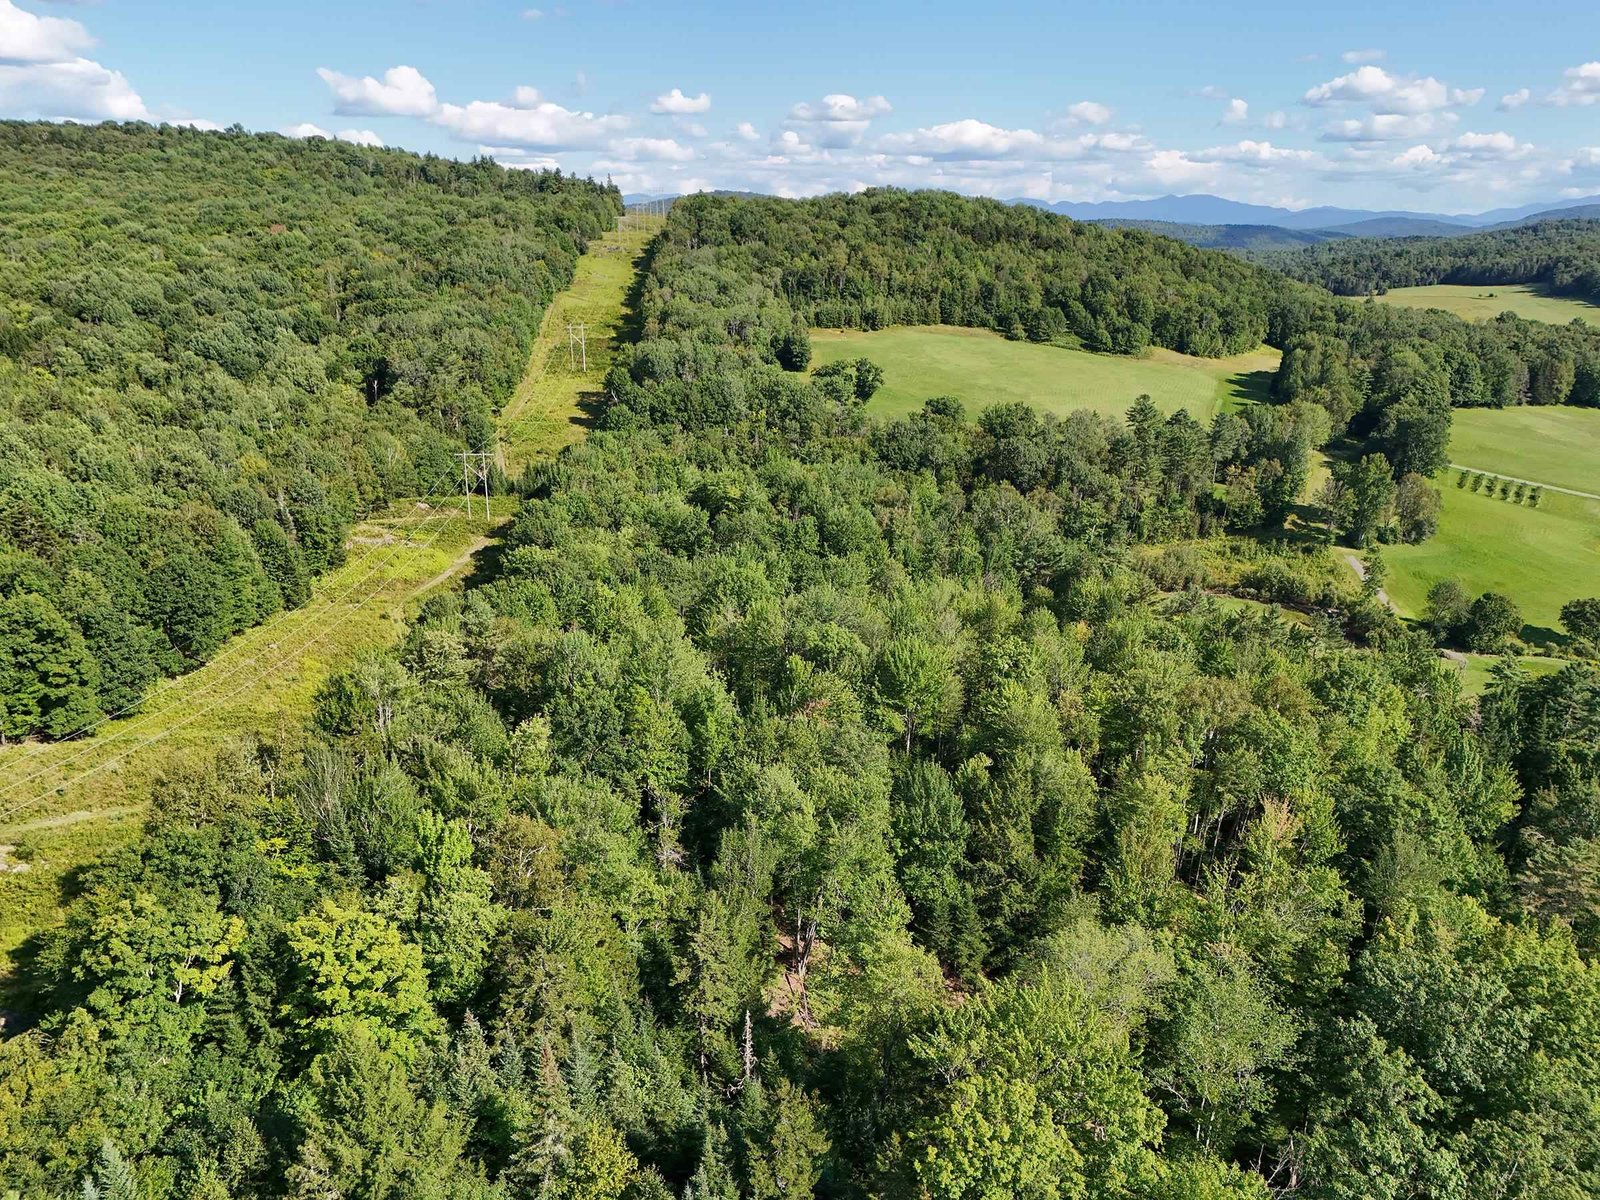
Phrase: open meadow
(1555, 446)
(1475, 302)
(981, 368)
(1540, 557)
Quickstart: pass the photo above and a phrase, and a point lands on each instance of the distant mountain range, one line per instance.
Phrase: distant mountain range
(1286, 229)
(1214, 210)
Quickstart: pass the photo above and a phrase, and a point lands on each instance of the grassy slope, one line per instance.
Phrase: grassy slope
(1559, 446)
(551, 406)
(1541, 557)
(981, 368)
(1484, 303)
(63, 803)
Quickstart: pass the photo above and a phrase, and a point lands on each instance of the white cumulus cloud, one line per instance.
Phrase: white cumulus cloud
(77, 89)
(676, 103)
(1579, 85)
(44, 75)
(402, 92)
(1514, 100)
(1387, 127)
(537, 124)
(652, 149)
(1389, 94)
(787, 143)
(1253, 153)
(1419, 156)
(1363, 56)
(1498, 145)
(28, 38)
(840, 107)
(1237, 112)
(1088, 112)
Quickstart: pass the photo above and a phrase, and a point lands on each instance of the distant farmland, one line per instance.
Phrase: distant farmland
(1483, 303)
(981, 368)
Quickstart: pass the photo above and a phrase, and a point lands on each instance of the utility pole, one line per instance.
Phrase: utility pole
(578, 335)
(475, 473)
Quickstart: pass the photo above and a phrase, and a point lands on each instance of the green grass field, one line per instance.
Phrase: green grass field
(1553, 445)
(551, 405)
(981, 368)
(1477, 671)
(1541, 557)
(1476, 303)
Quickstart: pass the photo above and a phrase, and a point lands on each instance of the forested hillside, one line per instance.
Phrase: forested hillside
(813, 808)
(741, 280)
(216, 351)
(1243, 239)
(1561, 255)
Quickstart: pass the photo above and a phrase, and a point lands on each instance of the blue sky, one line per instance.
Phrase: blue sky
(1445, 107)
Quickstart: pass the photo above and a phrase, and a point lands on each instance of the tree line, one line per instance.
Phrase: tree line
(1562, 256)
(217, 350)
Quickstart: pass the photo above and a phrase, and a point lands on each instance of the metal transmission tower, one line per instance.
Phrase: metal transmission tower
(475, 473)
(578, 335)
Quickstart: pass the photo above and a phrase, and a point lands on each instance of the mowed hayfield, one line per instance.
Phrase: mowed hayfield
(1484, 303)
(1553, 445)
(981, 368)
(1540, 557)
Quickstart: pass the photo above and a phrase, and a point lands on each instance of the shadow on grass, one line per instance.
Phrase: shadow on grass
(486, 564)
(25, 994)
(1251, 387)
(632, 329)
(1544, 637)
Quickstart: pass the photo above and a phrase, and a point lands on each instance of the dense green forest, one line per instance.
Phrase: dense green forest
(807, 807)
(1561, 255)
(216, 351)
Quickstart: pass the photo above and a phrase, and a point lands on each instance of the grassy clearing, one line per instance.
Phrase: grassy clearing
(982, 368)
(1540, 557)
(552, 405)
(64, 803)
(1477, 670)
(1476, 303)
(1553, 445)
